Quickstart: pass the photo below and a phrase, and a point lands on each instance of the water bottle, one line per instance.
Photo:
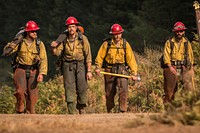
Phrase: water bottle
(138, 77)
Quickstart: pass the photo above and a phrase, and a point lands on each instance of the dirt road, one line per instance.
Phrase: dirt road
(88, 123)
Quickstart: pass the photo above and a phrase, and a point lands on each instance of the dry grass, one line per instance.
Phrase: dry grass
(146, 111)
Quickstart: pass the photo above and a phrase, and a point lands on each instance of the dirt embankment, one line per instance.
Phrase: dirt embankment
(89, 123)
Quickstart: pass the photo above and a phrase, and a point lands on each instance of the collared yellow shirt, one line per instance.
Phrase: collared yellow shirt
(75, 50)
(116, 55)
(28, 55)
(178, 52)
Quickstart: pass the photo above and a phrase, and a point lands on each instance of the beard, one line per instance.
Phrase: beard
(179, 36)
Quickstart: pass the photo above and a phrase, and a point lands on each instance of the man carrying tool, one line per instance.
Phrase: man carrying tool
(117, 54)
(76, 56)
(30, 65)
(178, 59)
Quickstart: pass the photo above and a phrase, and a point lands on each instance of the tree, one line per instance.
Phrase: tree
(156, 18)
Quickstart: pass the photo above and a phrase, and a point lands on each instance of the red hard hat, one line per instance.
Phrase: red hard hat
(179, 26)
(31, 26)
(116, 29)
(71, 20)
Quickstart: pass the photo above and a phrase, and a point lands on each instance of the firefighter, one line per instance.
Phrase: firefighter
(116, 54)
(30, 66)
(179, 60)
(77, 59)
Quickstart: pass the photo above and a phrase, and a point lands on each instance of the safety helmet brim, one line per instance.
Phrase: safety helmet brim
(27, 30)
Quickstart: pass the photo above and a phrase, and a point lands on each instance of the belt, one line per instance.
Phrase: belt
(178, 63)
(27, 67)
(73, 61)
(114, 65)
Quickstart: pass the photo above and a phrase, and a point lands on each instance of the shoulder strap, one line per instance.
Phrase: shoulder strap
(109, 41)
(124, 47)
(171, 45)
(186, 46)
(186, 49)
(80, 38)
(38, 41)
(124, 44)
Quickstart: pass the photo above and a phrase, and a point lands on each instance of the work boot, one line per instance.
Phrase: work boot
(20, 112)
(109, 111)
(80, 108)
(71, 107)
(82, 111)
(122, 111)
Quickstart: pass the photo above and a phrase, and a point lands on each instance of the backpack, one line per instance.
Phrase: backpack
(162, 65)
(14, 64)
(62, 38)
(109, 40)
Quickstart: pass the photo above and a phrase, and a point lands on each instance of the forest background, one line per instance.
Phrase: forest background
(147, 24)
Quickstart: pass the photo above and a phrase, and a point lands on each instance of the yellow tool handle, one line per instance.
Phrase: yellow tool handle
(114, 74)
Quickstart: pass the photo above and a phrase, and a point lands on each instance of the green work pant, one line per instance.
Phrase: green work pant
(75, 83)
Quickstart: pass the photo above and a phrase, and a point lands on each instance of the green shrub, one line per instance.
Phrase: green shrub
(7, 100)
(144, 96)
(51, 97)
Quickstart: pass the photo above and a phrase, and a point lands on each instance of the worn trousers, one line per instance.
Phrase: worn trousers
(26, 90)
(75, 84)
(113, 83)
(171, 82)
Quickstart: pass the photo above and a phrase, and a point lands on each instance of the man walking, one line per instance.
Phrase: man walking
(77, 59)
(178, 59)
(30, 65)
(115, 54)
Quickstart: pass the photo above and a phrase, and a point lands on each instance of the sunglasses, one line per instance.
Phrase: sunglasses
(33, 31)
(180, 31)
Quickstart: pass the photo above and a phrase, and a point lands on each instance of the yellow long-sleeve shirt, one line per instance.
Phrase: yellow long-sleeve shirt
(178, 52)
(76, 50)
(116, 55)
(28, 55)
